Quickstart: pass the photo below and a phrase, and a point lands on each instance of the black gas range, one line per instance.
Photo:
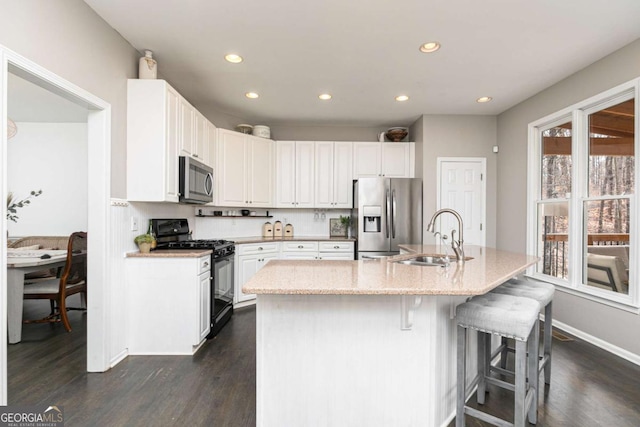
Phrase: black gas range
(174, 234)
(220, 248)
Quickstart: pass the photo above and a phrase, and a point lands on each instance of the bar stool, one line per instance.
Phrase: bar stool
(510, 317)
(543, 293)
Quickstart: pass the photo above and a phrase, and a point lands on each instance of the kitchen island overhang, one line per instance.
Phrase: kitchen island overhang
(365, 342)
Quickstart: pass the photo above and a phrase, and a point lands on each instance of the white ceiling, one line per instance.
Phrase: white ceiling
(366, 52)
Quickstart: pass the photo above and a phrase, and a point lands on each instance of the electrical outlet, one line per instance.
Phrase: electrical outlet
(134, 223)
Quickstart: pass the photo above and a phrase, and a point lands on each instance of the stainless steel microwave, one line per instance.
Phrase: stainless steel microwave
(196, 181)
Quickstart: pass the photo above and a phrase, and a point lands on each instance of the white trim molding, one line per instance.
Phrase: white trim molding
(578, 115)
(618, 351)
(99, 189)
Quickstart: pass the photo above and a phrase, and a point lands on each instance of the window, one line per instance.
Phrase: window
(582, 196)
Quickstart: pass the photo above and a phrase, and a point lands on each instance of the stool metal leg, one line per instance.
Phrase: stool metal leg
(461, 375)
(519, 412)
(504, 352)
(482, 366)
(548, 329)
(533, 371)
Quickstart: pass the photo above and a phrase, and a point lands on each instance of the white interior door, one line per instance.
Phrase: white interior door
(461, 186)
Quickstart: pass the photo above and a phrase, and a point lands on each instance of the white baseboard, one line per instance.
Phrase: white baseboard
(625, 354)
(244, 304)
(119, 358)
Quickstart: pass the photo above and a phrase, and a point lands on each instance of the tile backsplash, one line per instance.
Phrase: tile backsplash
(306, 222)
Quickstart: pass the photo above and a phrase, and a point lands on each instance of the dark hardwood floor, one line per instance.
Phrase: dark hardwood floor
(216, 387)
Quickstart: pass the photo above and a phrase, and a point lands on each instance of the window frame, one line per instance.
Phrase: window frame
(578, 114)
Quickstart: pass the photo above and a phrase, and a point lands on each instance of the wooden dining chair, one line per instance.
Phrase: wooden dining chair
(73, 280)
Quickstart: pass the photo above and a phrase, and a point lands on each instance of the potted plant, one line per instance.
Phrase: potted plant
(346, 223)
(144, 242)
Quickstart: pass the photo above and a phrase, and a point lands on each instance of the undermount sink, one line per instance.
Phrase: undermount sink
(430, 261)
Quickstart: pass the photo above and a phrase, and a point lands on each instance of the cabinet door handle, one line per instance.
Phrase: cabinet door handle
(195, 155)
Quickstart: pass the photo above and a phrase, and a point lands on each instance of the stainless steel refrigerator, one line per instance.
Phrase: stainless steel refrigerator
(386, 212)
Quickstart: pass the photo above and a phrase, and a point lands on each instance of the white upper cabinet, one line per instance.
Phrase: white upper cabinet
(193, 133)
(259, 154)
(295, 174)
(244, 171)
(153, 134)
(187, 118)
(397, 160)
(210, 142)
(200, 146)
(366, 159)
(333, 175)
(377, 159)
(231, 174)
(161, 126)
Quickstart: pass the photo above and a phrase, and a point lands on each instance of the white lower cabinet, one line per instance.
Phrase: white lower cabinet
(336, 251)
(169, 304)
(326, 250)
(299, 250)
(250, 258)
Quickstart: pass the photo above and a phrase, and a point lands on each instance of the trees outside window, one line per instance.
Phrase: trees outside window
(582, 195)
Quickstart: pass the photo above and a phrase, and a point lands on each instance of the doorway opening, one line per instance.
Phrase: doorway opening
(97, 158)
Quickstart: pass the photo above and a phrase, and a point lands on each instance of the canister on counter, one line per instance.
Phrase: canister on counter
(277, 229)
(267, 229)
(288, 230)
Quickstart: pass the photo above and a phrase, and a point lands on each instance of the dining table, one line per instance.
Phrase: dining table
(19, 263)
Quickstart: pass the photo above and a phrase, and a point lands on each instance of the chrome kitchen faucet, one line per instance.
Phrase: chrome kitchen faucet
(456, 245)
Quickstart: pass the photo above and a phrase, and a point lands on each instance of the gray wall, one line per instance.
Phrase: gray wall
(458, 136)
(69, 39)
(609, 324)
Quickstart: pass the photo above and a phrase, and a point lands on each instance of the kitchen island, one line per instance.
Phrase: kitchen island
(368, 342)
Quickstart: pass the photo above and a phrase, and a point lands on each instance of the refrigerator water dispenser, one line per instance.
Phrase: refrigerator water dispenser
(371, 219)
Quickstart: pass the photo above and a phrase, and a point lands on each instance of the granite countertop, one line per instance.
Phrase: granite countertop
(171, 253)
(259, 239)
(488, 269)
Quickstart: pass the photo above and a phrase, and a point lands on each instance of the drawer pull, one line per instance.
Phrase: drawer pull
(300, 247)
(259, 248)
(206, 264)
(336, 247)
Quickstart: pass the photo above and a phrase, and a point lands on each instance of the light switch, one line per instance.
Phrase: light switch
(134, 223)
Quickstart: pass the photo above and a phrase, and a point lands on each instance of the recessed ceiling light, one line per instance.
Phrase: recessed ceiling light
(429, 47)
(233, 58)
(401, 98)
(325, 96)
(484, 99)
(251, 95)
